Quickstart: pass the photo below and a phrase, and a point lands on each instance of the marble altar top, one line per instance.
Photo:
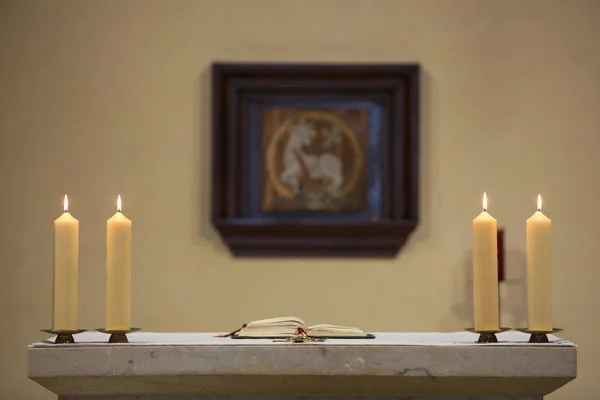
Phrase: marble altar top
(509, 338)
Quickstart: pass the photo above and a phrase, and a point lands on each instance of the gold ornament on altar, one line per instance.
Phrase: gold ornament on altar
(301, 337)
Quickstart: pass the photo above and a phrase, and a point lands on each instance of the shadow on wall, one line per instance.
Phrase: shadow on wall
(202, 194)
(462, 308)
(512, 292)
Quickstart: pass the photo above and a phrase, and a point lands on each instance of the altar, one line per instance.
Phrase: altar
(414, 366)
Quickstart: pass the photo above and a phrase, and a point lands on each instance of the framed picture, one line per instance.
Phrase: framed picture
(315, 160)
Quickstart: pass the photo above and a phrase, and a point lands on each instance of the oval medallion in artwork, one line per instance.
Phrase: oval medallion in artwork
(314, 160)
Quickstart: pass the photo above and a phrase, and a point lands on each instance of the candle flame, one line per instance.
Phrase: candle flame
(539, 208)
(119, 203)
(484, 201)
(66, 204)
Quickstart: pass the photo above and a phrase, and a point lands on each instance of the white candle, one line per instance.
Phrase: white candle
(66, 266)
(485, 271)
(539, 271)
(118, 271)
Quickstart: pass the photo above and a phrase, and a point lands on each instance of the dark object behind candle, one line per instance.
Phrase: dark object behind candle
(500, 254)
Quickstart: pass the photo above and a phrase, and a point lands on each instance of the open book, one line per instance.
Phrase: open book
(284, 327)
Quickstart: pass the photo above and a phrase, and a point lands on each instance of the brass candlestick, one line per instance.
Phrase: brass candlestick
(539, 336)
(118, 336)
(64, 336)
(488, 336)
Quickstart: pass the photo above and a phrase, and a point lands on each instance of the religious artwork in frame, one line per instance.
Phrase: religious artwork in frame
(315, 160)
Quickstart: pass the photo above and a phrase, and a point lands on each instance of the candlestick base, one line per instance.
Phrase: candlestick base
(488, 336)
(538, 336)
(63, 336)
(118, 336)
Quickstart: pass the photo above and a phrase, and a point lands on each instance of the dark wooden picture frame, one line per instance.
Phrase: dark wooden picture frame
(384, 95)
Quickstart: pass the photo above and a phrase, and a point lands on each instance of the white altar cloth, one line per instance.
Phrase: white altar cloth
(509, 338)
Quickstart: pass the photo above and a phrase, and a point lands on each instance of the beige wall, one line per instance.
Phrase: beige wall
(106, 97)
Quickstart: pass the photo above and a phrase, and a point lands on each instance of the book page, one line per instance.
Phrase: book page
(329, 326)
(335, 330)
(278, 321)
